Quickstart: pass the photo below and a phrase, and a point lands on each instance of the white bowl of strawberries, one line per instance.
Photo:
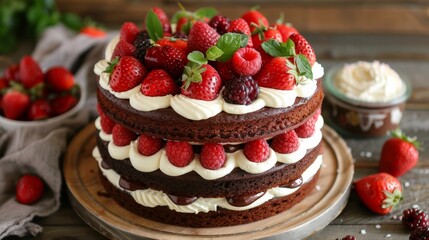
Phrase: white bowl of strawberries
(30, 97)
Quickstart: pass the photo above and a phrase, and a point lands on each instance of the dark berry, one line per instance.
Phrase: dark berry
(220, 24)
(242, 90)
(142, 43)
(421, 233)
(180, 35)
(348, 237)
(414, 218)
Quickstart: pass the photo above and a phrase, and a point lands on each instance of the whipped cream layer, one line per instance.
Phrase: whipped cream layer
(369, 82)
(194, 109)
(154, 198)
(236, 159)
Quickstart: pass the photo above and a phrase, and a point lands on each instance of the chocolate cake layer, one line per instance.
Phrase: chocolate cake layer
(222, 217)
(238, 182)
(224, 127)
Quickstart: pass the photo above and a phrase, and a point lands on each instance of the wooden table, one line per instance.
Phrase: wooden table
(408, 55)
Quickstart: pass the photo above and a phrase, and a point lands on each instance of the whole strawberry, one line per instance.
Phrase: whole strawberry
(206, 87)
(303, 47)
(59, 78)
(380, 192)
(15, 103)
(125, 73)
(201, 37)
(30, 73)
(158, 83)
(63, 103)
(276, 74)
(29, 189)
(399, 154)
(255, 18)
(39, 109)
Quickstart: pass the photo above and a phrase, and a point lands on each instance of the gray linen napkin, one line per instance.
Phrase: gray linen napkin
(38, 150)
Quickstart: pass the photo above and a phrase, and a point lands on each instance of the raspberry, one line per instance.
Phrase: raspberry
(180, 154)
(257, 150)
(307, 129)
(148, 145)
(286, 142)
(420, 233)
(242, 90)
(414, 218)
(142, 43)
(122, 136)
(220, 24)
(348, 237)
(212, 156)
(246, 61)
(29, 189)
(106, 123)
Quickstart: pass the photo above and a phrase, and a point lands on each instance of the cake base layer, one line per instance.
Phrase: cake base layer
(222, 217)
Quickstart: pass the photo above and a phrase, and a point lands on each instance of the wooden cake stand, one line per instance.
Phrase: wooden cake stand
(95, 207)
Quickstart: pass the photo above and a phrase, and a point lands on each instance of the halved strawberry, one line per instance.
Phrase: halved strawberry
(125, 73)
(158, 83)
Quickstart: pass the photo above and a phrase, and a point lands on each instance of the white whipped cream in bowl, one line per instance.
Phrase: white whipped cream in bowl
(365, 98)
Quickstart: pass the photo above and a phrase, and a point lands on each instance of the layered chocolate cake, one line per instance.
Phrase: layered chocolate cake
(208, 125)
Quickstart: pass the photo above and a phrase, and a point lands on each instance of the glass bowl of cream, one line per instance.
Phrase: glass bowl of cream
(365, 98)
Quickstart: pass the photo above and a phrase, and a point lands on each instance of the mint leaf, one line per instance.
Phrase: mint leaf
(207, 12)
(304, 67)
(279, 49)
(214, 53)
(229, 43)
(153, 26)
(197, 57)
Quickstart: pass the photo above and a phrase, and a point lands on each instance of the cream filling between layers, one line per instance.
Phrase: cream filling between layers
(153, 198)
(199, 109)
(236, 159)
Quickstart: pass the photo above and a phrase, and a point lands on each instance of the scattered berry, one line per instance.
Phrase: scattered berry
(158, 83)
(29, 189)
(286, 143)
(242, 90)
(414, 218)
(180, 154)
(126, 73)
(201, 37)
(246, 61)
(59, 78)
(148, 145)
(421, 233)
(212, 156)
(220, 24)
(257, 150)
(122, 136)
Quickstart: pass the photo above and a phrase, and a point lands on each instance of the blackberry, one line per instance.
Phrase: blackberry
(420, 233)
(348, 237)
(220, 24)
(414, 218)
(142, 43)
(242, 90)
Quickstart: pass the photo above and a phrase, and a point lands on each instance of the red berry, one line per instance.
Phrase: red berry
(286, 30)
(303, 47)
(421, 233)
(239, 25)
(414, 218)
(348, 237)
(126, 74)
(174, 60)
(306, 130)
(29, 189)
(11, 73)
(129, 32)
(286, 143)
(124, 48)
(158, 83)
(201, 37)
(59, 78)
(226, 71)
(63, 103)
(254, 17)
(30, 72)
(257, 150)
(92, 31)
(15, 104)
(162, 16)
(275, 74)
(107, 124)
(122, 136)
(180, 154)
(4, 83)
(246, 61)
(212, 156)
(148, 145)
(219, 23)
(208, 89)
(264, 34)
(39, 109)
(153, 57)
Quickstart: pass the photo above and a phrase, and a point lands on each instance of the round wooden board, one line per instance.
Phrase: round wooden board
(323, 205)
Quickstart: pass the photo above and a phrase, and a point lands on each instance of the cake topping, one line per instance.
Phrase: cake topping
(180, 154)
(246, 61)
(220, 24)
(242, 90)
(257, 150)
(212, 156)
(125, 73)
(201, 37)
(201, 82)
(239, 25)
(158, 83)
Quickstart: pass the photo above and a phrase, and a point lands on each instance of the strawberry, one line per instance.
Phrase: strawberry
(212, 156)
(125, 73)
(226, 71)
(153, 57)
(180, 154)
(257, 150)
(275, 74)
(59, 78)
(380, 192)
(4, 83)
(123, 48)
(303, 47)
(29, 189)
(174, 60)
(262, 34)
(148, 145)
(265, 57)
(306, 130)
(201, 37)
(121, 136)
(162, 16)
(15, 104)
(30, 72)
(107, 124)
(158, 83)
(255, 18)
(11, 73)
(93, 31)
(206, 89)
(63, 103)
(399, 154)
(286, 142)
(184, 25)
(129, 32)
(220, 24)
(239, 25)
(173, 42)
(39, 109)
(285, 30)
(246, 61)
